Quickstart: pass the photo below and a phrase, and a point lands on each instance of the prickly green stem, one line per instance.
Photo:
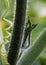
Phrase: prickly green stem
(17, 31)
(32, 53)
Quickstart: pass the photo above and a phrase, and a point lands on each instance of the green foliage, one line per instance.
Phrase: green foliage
(35, 7)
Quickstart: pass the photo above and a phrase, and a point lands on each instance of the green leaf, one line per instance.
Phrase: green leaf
(35, 33)
(33, 52)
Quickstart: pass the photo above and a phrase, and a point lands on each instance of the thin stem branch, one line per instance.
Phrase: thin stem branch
(17, 31)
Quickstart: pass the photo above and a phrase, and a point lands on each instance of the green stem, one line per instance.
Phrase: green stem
(32, 53)
(17, 31)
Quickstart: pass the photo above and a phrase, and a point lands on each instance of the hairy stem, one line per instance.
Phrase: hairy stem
(32, 53)
(17, 31)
